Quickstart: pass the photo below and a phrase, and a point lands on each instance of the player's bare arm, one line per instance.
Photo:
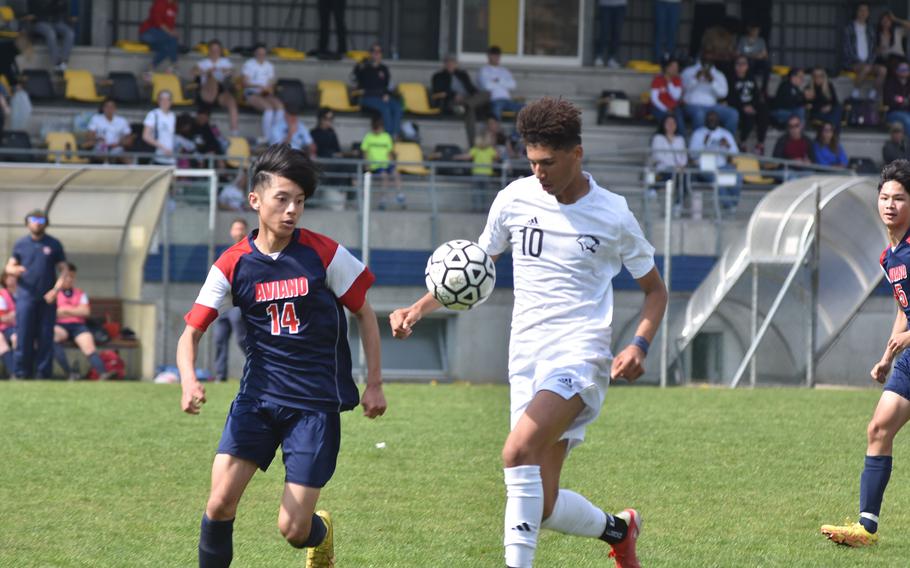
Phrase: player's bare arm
(897, 342)
(629, 364)
(373, 399)
(193, 391)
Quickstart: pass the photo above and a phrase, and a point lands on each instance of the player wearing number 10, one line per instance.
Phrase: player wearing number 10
(292, 286)
(569, 239)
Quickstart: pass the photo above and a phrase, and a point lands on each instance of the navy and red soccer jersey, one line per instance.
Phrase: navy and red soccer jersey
(895, 263)
(296, 343)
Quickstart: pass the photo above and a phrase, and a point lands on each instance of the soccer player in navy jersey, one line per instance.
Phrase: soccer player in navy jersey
(291, 286)
(893, 409)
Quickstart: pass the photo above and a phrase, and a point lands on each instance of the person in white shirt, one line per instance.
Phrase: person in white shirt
(669, 156)
(289, 129)
(159, 128)
(259, 88)
(569, 238)
(498, 81)
(108, 132)
(214, 74)
(704, 85)
(717, 143)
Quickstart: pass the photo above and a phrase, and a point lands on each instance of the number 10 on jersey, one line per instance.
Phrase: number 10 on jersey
(288, 318)
(531, 241)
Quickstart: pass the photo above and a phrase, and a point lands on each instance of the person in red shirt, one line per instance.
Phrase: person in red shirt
(7, 319)
(795, 145)
(666, 95)
(159, 31)
(72, 310)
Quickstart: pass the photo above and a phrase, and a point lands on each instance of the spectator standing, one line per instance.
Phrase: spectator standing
(896, 147)
(36, 259)
(51, 19)
(703, 87)
(373, 78)
(755, 49)
(790, 99)
(890, 35)
(714, 139)
(859, 52)
(452, 88)
(72, 310)
(666, 26)
(748, 99)
(379, 150)
(794, 145)
(897, 96)
(669, 156)
(498, 81)
(290, 130)
(827, 150)
(230, 321)
(611, 14)
(159, 128)
(159, 31)
(259, 88)
(667, 94)
(214, 72)
(108, 132)
(336, 10)
(822, 97)
(7, 320)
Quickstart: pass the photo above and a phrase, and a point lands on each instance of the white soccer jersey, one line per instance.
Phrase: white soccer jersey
(564, 259)
(258, 74)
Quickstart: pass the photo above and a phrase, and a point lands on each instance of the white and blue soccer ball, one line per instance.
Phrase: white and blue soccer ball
(460, 275)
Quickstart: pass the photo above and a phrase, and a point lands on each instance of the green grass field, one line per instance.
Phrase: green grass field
(114, 475)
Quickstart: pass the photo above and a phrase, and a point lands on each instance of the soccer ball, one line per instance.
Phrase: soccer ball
(460, 275)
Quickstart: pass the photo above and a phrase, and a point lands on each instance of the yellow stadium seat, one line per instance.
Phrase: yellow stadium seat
(80, 86)
(848, 74)
(5, 83)
(750, 169)
(132, 46)
(643, 66)
(410, 152)
(63, 142)
(238, 147)
(415, 99)
(7, 17)
(169, 82)
(781, 70)
(334, 95)
(288, 53)
(357, 54)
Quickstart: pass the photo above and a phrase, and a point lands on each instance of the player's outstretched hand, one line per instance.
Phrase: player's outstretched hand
(402, 321)
(373, 401)
(880, 371)
(193, 398)
(629, 364)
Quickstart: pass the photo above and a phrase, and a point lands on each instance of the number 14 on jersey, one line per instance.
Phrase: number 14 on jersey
(286, 317)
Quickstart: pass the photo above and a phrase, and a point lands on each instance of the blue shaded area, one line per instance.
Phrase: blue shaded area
(189, 263)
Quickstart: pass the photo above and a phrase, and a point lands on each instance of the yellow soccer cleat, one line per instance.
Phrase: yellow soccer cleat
(850, 534)
(323, 556)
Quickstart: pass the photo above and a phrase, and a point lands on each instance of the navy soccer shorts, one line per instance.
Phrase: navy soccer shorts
(8, 334)
(899, 381)
(73, 329)
(309, 440)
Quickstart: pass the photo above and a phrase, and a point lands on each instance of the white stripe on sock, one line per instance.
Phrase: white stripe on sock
(870, 516)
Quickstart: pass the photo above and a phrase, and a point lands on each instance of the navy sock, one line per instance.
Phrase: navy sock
(318, 531)
(872, 485)
(60, 356)
(8, 362)
(216, 545)
(97, 363)
(616, 529)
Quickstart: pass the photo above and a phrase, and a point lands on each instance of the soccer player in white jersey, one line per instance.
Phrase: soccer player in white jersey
(569, 238)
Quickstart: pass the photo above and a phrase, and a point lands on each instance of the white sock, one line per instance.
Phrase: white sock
(573, 514)
(267, 120)
(524, 509)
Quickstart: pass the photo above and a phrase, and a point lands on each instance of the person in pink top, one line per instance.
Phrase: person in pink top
(7, 319)
(72, 310)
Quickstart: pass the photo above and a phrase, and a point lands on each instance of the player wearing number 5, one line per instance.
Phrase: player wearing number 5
(292, 286)
(569, 239)
(893, 409)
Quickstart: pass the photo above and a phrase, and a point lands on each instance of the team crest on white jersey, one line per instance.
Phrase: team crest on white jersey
(588, 243)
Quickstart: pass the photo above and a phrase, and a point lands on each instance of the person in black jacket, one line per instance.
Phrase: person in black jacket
(790, 98)
(823, 99)
(372, 77)
(454, 93)
(52, 18)
(897, 147)
(747, 97)
(897, 96)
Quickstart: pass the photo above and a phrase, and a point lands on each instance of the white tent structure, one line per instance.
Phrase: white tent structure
(105, 217)
(765, 291)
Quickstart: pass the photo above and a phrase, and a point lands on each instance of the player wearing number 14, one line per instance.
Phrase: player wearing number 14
(292, 286)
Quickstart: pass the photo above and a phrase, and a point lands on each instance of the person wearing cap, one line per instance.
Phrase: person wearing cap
(498, 81)
(453, 91)
(897, 96)
(896, 147)
(37, 259)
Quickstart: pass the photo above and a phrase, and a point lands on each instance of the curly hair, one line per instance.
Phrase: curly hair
(551, 122)
(899, 171)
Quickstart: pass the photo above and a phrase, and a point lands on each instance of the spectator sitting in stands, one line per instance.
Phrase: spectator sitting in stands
(159, 128)
(897, 96)
(703, 87)
(749, 100)
(259, 88)
(667, 93)
(890, 41)
(859, 52)
(456, 94)
(827, 150)
(823, 99)
(379, 149)
(109, 133)
(204, 137)
(52, 18)
(754, 48)
(483, 156)
(8, 284)
(159, 31)
(896, 147)
(234, 196)
(500, 140)
(72, 310)
(289, 129)
(790, 99)
(373, 78)
(184, 144)
(669, 156)
(498, 81)
(324, 135)
(718, 141)
(214, 75)
(794, 145)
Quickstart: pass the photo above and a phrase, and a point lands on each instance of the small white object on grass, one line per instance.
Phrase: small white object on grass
(380, 445)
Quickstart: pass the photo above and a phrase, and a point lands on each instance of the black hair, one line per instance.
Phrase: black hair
(259, 44)
(494, 50)
(899, 171)
(323, 111)
(216, 41)
(662, 129)
(104, 102)
(793, 72)
(666, 62)
(71, 267)
(551, 122)
(282, 160)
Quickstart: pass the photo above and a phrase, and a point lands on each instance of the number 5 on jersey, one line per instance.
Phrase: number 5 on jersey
(900, 295)
(288, 318)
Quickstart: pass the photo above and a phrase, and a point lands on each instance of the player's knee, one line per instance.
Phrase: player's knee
(296, 532)
(877, 433)
(220, 508)
(516, 453)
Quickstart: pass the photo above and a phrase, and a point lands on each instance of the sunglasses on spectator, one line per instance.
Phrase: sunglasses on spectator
(36, 219)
